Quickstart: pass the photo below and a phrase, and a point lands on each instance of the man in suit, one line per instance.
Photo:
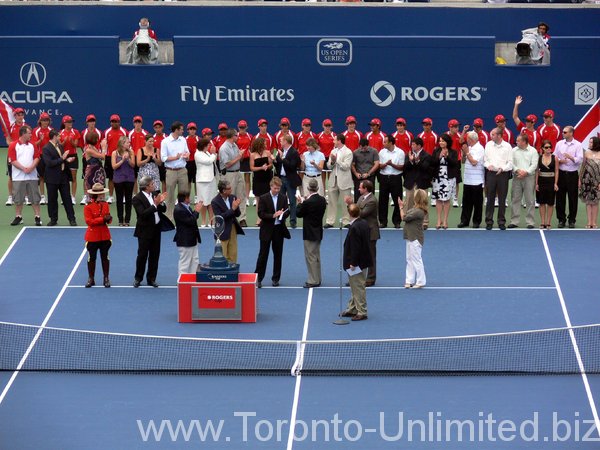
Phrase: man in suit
(287, 163)
(151, 220)
(312, 208)
(228, 207)
(58, 177)
(357, 257)
(187, 235)
(368, 206)
(273, 209)
(417, 175)
(340, 179)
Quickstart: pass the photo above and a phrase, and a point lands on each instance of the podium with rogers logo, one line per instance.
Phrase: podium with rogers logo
(217, 292)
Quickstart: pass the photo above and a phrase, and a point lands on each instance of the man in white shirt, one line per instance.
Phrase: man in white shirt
(569, 155)
(497, 160)
(230, 156)
(391, 163)
(473, 180)
(174, 154)
(340, 180)
(525, 162)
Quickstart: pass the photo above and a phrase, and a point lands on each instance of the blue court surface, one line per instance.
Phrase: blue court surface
(478, 283)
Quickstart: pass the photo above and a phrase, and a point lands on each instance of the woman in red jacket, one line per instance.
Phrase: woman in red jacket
(97, 237)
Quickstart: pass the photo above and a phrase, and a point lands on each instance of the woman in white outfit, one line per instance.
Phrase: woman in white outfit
(206, 181)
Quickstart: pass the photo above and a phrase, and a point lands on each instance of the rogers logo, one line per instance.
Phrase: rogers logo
(219, 297)
(423, 94)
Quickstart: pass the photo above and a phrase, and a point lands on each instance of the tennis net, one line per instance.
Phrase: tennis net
(549, 351)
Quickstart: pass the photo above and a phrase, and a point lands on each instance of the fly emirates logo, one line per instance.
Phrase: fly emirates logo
(247, 94)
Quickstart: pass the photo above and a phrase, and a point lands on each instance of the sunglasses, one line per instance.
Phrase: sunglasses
(547, 146)
(565, 132)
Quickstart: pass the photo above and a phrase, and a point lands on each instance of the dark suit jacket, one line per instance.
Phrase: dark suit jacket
(291, 164)
(266, 211)
(52, 160)
(418, 173)
(368, 212)
(313, 210)
(453, 167)
(145, 226)
(186, 226)
(230, 215)
(356, 246)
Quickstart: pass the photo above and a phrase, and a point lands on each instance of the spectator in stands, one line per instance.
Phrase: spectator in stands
(97, 236)
(525, 162)
(444, 167)
(498, 162)
(206, 179)
(569, 154)
(546, 184)
(474, 178)
(590, 181)
(365, 164)
(417, 175)
(391, 164)
(24, 157)
(123, 164)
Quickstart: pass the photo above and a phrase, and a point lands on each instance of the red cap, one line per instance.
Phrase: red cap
(262, 121)
(18, 110)
(548, 112)
(223, 126)
(499, 118)
(375, 122)
(192, 125)
(478, 122)
(401, 120)
(67, 119)
(115, 117)
(327, 122)
(242, 123)
(427, 120)
(350, 119)
(284, 121)
(44, 116)
(531, 118)
(306, 121)
(453, 123)
(138, 119)
(158, 122)
(206, 131)
(90, 118)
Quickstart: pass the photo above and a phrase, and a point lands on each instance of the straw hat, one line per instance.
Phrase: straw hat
(97, 189)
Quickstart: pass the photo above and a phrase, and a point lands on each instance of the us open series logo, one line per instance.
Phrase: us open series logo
(334, 52)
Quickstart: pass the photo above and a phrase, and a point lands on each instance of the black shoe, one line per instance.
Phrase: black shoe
(311, 285)
(106, 282)
(327, 226)
(512, 225)
(73, 223)
(383, 225)
(275, 283)
(475, 225)
(347, 313)
(347, 225)
(90, 283)
(152, 283)
(38, 221)
(243, 223)
(359, 317)
(561, 224)
(571, 224)
(502, 227)
(462, 225)
(347, 284)
(52, 223)
(258, 284)
(530, 227)
(136, 283)
(398, 226)
(489, 226)
(294, 225)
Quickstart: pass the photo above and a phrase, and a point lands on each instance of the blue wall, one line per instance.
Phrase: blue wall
(439, 61)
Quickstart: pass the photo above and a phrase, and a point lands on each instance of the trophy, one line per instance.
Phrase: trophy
(218, 268)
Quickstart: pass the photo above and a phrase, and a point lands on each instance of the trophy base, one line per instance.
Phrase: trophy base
(206, 273)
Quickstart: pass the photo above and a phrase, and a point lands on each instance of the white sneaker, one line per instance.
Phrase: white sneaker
(496, 202)
(455, 204)
(391, 202)
(433, 202)
(195, 199)
(247, 202)
(109, 199)
(43, 200)
(27, 202)
(537, 205)
(254, 202)
(506, 203)
(84, 200)
(251, 194)
(9, 201)
(73, 200)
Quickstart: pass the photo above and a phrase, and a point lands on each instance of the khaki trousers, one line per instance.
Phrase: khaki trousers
(335, 193)
(358, 302)
(312, 255)
(230, 246)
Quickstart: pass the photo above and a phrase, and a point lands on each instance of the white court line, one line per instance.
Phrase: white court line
(346, 287)
(563, 305)
(300, 359)
(44, 323)
(12, 244)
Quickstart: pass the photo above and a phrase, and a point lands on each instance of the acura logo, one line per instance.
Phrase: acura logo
(383, 87)
(33, 74)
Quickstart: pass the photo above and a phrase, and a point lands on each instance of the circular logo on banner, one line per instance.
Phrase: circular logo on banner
(33, 74)
(385, 89)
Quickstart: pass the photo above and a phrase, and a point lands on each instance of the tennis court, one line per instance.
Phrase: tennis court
(478, 283)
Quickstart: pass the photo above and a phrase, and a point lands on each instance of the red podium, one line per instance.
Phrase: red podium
(215, 301)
